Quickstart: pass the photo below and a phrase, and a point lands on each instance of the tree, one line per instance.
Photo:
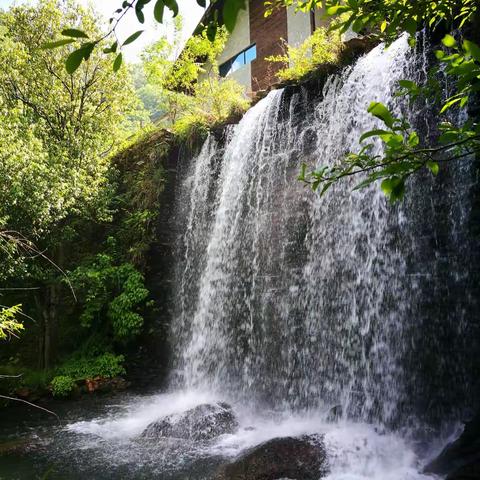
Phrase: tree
(9, 325)
(58, 132)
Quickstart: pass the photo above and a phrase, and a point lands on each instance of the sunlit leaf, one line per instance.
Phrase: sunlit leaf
(433, 167)
(380, 111)
(473, 49)
(449, 41)
(373, 133)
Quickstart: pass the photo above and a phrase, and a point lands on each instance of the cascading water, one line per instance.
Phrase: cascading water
(300, 302)
(288, 304)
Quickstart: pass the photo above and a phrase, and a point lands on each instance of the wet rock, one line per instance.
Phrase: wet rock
(24, 445)
(461, 457)
(203, 422)
(334, 414)
(468, 472)
(295, 458)
(105, 385)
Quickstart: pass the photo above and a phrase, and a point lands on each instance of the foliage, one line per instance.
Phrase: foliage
(323, 46)
(80, 368)
(405, 151)
(56, 128)
(62, 386)
(86, 43)
(9, 325)
(214, 100)
(113, 291)
(189, 91)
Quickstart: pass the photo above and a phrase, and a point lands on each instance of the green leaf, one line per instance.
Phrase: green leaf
(410, 25)
(337, 9)
(380, 111)
(449, 104)
(393, 188)
(140, 15)
(408, 84)
(413, 139)
(383, 26)
(373, 133)
(439, 54)
(173, 6)
(433, 167)
(57, 43)
(74, 32)
(202, 3)
(211, 31)
(118, 62)
(87, 49)
(473, 49)
(230, 12)
(358, 25)
(449, 41)
(158, 11)
(132, 37)
(74, 60)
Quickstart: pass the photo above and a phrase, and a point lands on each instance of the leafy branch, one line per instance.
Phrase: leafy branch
(228, 17)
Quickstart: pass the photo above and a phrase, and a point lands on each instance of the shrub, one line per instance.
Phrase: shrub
(213, 101)
(112, 291)
(106, 365)
(322, 47)
(62, 386)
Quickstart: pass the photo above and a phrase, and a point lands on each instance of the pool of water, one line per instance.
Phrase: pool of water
(100, 438)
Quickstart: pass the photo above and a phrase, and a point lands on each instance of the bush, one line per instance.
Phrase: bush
(106, 365)
(213, 101)
(62, 386)
(322, 47)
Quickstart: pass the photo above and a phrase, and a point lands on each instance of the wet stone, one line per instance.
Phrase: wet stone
(204, 422)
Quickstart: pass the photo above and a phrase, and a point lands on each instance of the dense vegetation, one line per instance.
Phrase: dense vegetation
(77, 216)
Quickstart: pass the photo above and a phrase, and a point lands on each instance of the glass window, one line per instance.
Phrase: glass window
(250, 54)
(236, 62)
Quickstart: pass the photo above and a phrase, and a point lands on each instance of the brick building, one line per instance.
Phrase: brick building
(256, 37)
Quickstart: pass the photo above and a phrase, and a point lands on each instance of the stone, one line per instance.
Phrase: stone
(461, 456)
(295, 458)
(203, 422)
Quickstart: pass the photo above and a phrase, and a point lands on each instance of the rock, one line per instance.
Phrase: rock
(468, 472)
(334, 414)
(461, 456)
(200, 423)
(295, 458)
(105, 385)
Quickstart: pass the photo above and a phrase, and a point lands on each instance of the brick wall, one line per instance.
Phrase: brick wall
(266, 33)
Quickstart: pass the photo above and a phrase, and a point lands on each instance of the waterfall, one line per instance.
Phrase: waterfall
(291, 301)
(297, 310)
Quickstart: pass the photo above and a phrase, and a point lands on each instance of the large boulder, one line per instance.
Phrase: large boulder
(203, 422)
(295, 458)
(461, 457)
